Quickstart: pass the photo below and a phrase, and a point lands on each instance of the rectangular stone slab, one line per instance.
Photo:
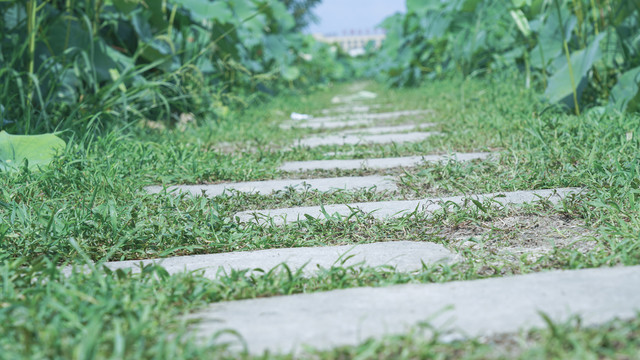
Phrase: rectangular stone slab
(388, 129)
(351, 109)
(462, 308)
(330, 140)
(381, 163)
(369, 116)
(402, 255)
(387, 209)
(326, 125)
(267, 187)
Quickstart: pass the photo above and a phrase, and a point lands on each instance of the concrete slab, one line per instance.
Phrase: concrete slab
(402, 255)
(371, 116)
(326, 125)
(269, 186)
(359, 96)
(351, 109)
(388, 129)
(388, 209)
(382, 163)
(351, 139)
(461, 309)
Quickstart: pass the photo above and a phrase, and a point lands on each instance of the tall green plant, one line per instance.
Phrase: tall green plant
(578, 49)
(84, 57)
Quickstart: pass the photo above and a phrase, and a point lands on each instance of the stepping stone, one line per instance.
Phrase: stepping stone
(326, 125)
(461, 309)
(332, 122)
(350, 109)
(331, 140)
(269, 186)
(387, 209)
(374, 116)
(402, 255)
(388, 129)
(361, 95)
(383, 163)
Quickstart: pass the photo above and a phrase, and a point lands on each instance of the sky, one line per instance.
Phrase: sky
(337, 16)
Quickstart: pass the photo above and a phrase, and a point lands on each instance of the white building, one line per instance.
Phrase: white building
(353, 44)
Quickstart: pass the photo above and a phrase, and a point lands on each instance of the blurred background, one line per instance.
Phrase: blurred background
(64, 61)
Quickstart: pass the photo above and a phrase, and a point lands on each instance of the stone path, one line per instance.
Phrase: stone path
(382, 163)
(267, 187)
(377, 130)
(371, 116)
(359, 96)
(348, 317)
(462, 308)
(401, 255)
(388, 209)
(332, 122)
(351, 109)
(329, 140)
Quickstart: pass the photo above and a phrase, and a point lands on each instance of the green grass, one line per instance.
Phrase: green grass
(90, 205)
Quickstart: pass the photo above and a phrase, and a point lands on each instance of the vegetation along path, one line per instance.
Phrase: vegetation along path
(469, 231)
(482, 213)
(194, 179)
(325, 321)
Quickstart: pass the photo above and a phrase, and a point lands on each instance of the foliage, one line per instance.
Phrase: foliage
(301, 10)
(82, 63)
(90, 203)
(37, 150)
(578, 51)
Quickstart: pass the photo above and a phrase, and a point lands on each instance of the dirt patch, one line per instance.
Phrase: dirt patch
(516, 235)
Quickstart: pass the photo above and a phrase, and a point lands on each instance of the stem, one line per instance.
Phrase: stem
(577, 6)
(528, 69)
(31, 39)
(544, 66)
(31, 30)
(594, 13)
(568, 55)
(573, 81)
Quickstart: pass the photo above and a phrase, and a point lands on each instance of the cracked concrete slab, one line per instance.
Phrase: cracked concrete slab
(389, 209)
(459, 309)
(380, 163)
(268, 186)
(350, 139)
(404, 256)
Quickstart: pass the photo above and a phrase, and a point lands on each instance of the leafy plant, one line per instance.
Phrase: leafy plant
(577, 49)
(79, 64)
(36, 150)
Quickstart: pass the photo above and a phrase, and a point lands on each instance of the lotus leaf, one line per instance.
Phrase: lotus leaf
(625, 95)
(560, 88)
(38, 150)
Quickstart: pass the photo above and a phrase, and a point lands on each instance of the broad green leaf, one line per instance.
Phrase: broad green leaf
(521, 22)
(157, 16)
(625, 95)
(421, 7)
(13, 16)
(290, 73)
(126, 6)
(470, 5)
(282, 15)
(38, 150)
(520, 3)
(560, 89)
(207, 10)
